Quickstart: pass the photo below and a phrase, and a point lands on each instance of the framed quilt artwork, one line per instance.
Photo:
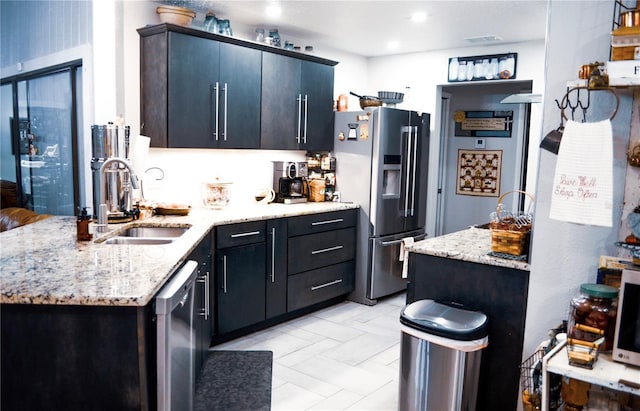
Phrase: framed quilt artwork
(479, 172)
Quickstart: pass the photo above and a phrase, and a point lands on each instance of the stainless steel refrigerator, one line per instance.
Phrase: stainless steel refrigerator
(382, 161)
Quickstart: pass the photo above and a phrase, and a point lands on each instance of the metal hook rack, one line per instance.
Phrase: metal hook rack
(579, 103)
(551, 141)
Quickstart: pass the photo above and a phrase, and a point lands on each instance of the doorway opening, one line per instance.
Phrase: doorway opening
(466, 193)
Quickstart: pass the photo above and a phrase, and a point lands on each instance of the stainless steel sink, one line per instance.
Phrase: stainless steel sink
(153, 232)
(146, 235)
(139, 240)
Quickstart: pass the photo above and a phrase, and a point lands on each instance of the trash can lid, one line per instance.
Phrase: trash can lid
(454, 322)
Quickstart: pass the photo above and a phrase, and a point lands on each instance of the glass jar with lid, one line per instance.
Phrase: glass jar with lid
(275, 36)
(592, 321)
(260, 35)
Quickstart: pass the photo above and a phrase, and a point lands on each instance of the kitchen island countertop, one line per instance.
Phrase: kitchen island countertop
(42, 263)
(472, 244)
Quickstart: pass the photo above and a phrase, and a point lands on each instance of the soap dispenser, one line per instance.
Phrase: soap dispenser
(82, 226)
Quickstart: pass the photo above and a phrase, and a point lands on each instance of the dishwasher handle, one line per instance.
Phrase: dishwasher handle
(175, 291)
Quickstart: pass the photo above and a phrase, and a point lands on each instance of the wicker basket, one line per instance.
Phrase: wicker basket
(510, 234)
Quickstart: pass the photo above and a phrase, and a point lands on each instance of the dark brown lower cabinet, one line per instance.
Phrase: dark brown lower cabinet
(501, 294)
(273, 270)
(241, 281)
(57, 357)
(314, 286)
(276, 281)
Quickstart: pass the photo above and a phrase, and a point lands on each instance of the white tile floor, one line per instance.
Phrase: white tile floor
(344, 357)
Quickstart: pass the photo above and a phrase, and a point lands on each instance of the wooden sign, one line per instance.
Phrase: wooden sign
(483, 123)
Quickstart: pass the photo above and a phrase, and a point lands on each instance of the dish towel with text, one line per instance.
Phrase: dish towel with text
(582, 189)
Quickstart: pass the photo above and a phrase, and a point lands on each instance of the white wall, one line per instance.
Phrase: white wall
(423, 72)
(564, 254)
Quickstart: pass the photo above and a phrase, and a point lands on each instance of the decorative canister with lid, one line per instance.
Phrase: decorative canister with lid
(591, 325)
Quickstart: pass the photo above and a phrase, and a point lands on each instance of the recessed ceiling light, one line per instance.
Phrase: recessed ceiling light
(392, 45)
(418, 17)
(273, 10)
(484, 39)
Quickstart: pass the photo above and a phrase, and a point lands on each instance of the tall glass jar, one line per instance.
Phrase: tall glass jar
(593, 316)
(260, 35)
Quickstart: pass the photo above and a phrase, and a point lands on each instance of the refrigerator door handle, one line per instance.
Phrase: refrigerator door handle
(415, 167)
(407, 175)
(392, 242)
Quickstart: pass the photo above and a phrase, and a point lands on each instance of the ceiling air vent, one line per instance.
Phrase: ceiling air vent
(489, 38)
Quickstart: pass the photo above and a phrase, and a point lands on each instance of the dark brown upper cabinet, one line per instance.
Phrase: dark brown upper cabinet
(203, 90)
(297, 104)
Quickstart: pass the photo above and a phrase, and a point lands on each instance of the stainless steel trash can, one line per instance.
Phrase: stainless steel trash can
(440, 351)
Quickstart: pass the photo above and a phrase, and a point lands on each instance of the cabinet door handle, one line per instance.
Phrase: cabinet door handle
(217, 110)
(629, 383)
(306, 103)
(337, 220)
(324, 250)
(273, 255)
(224, 125)
(202, 280)
(299, 99)
(248, 233)
(207, 284)
(205, 309)
(224, 274)
(330, 283)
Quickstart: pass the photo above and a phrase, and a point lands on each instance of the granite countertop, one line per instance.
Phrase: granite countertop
(42, 263)
(472, 244)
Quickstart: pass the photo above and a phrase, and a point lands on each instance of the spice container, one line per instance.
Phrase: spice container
(82, 226)
(591, 325)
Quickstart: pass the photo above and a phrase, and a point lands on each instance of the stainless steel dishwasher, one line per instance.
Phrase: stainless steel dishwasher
(176, 343)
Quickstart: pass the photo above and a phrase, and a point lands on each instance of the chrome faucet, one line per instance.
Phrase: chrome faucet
(102, 225)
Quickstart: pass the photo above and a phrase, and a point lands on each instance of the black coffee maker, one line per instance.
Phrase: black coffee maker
(290, 182)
